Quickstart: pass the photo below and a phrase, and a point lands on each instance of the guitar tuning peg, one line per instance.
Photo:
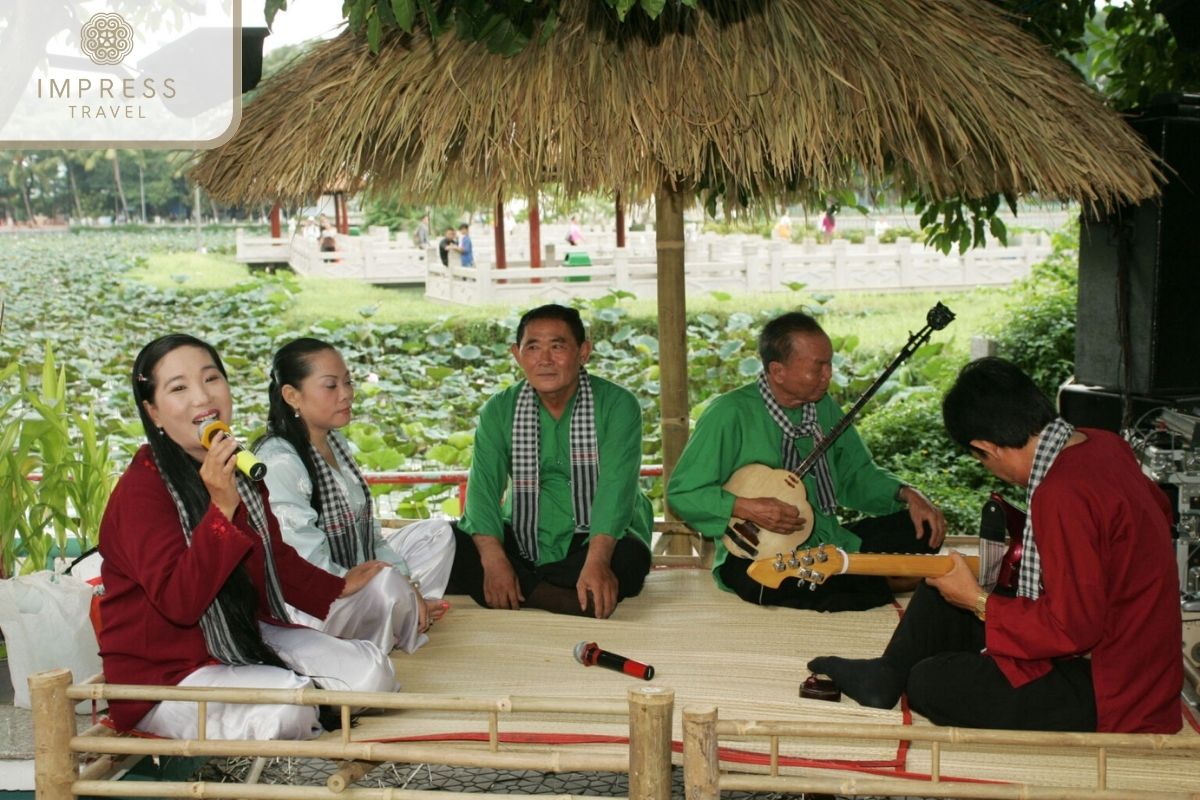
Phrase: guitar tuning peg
(778, 564)
(816, 578)
(807, 558)
(792, 561)
(812, 587)
(822, 556)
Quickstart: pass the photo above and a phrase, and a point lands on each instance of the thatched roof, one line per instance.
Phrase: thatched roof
(762, 98)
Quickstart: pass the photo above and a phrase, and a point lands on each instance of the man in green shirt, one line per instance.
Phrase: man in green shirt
(747, 426)
(554, 517)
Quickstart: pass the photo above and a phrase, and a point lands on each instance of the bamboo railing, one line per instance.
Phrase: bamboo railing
(649, 709)
(703, 779)
(57, 748)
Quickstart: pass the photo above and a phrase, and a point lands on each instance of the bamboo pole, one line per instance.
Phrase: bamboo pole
(349, 772)
(408, 752)
(233, 791)
(650, 712)
(701, 759)
(55, 766)
(672, 339)
(890, 787)
(383, 700)
(1170, 743)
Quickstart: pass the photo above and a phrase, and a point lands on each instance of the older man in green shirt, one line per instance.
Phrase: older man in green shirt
(554, 517)
(776, 421)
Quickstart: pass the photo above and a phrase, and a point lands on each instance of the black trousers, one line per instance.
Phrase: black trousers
(893, 533)
(630, 563)
(952, 683)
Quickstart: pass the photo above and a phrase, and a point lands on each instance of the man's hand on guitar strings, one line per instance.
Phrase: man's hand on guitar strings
(770, 514)
(922, 510)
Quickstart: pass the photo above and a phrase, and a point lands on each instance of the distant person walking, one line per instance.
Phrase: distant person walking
(464, 246)
(445, 244)
(574, 232)
(827, 225)
(421, 237)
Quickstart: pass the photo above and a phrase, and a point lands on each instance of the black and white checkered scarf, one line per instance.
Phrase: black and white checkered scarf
(826, 495)
(526, 450)
(1050, 443)
(348, 534)
(221, 643)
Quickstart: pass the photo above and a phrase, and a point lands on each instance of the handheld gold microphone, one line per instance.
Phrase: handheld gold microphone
(247, 462)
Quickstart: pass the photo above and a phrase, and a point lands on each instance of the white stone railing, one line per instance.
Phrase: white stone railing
(758, 267)
(371, 258)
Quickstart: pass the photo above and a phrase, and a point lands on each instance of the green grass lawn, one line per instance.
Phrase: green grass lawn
(881, 319)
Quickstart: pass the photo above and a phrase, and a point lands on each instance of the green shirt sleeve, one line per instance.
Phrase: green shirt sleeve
(694, 490)
(490, 464)
(619, 429)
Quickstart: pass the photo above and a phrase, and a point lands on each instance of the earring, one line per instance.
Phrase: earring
(161, 432)
(296, 413)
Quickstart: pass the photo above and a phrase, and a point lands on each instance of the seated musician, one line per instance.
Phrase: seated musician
(1091, 640)
(776, 422)
(572, 535)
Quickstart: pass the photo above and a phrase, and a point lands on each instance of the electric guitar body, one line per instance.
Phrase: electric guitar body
(745, 539)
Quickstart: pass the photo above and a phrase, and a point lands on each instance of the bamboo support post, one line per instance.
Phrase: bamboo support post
(1101, 768)
(202, 720)
(346, 724)
(650, 712)
(774, 755)
(349, 772)
(55, 766)
(935, 762)
(493, 732)
(672, 338)
(701, 759)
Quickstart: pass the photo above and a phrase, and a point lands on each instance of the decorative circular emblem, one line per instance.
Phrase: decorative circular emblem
(106, 38)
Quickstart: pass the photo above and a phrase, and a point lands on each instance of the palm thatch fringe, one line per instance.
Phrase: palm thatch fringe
(759, 100)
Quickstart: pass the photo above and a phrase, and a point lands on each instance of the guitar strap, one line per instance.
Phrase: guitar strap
(1050, 443)
(809, 426)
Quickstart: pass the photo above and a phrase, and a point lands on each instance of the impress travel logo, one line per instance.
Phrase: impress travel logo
(120, 73)
(106, 38)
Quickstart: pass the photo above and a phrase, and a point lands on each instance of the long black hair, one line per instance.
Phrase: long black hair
(290, 366)
(239, 597)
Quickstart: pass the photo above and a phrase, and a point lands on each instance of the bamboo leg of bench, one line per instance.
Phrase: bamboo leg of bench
(701, 760)
(349, 772)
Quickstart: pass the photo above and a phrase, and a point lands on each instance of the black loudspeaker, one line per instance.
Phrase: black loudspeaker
(1162, 240)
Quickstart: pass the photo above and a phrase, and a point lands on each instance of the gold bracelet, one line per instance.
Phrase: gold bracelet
(981, 605)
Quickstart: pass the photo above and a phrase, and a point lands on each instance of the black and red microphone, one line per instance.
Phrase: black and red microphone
(590, 655)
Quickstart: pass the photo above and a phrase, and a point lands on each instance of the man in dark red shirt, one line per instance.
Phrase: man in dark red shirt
(1091, 640)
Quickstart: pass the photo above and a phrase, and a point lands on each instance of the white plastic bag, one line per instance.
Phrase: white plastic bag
(46, 625)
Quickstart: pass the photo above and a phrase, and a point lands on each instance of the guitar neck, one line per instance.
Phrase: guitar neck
(911, 566)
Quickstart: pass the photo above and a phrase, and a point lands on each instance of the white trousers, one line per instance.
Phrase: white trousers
(386, 611)
(428, 549)
(318, 660)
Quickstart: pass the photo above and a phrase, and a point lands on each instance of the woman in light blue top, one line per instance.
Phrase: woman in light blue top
(325, 509)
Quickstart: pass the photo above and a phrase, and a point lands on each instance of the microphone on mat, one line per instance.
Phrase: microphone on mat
(590, 655)
(247, 462)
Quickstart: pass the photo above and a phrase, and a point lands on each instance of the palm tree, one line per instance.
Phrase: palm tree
(67, 158)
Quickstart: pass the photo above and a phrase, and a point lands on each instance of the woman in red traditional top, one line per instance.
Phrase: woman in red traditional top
(196, 575)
